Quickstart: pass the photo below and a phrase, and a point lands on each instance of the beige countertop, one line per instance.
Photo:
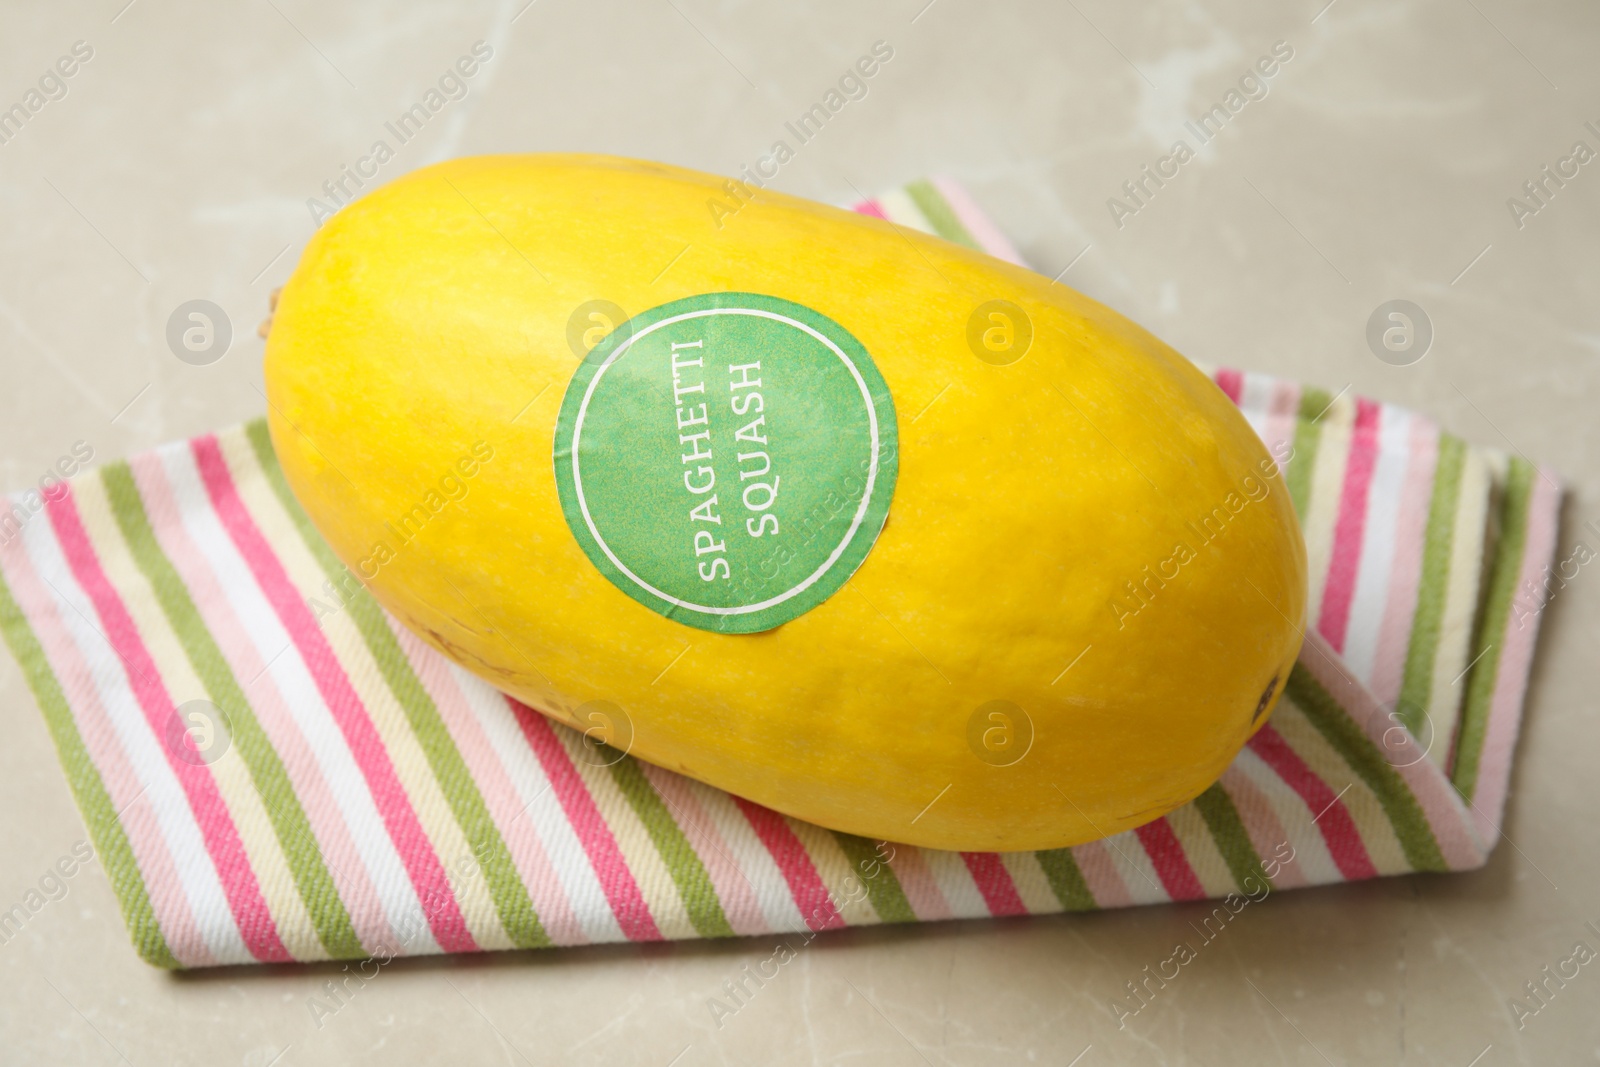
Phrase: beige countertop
(176, 162)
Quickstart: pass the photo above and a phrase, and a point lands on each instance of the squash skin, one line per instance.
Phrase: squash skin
(1032, 499)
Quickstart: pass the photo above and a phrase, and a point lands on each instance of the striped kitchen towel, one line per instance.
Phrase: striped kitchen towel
(273, 769)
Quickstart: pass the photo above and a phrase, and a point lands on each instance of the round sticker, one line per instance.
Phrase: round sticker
(729, 459)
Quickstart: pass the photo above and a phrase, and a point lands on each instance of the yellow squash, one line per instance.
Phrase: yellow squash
(486, 383)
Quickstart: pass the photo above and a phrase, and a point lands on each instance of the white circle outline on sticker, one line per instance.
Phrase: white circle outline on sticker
(855, 524)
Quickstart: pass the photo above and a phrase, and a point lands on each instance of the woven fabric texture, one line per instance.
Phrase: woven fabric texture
(375, 799)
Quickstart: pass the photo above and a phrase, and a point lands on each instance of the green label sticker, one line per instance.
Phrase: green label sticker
(727, 459)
